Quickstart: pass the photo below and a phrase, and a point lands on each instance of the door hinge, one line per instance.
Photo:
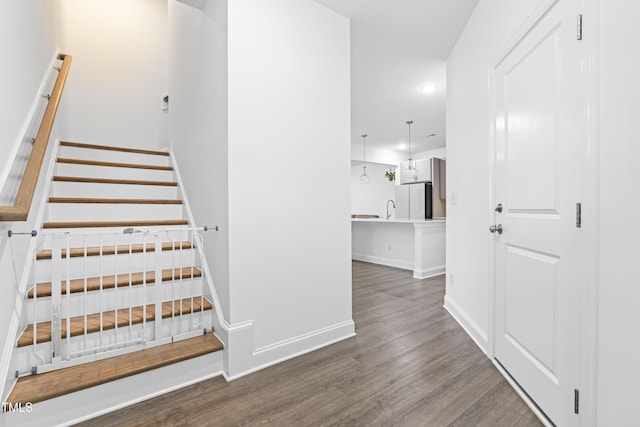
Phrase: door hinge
(579, 34)
(578, 215)
(576, 401)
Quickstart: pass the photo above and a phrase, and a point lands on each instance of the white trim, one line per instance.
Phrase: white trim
(389, 262)
(524, 396)
(293, 347)
(591, 215)
(4, 175)
(429, 272)
(466, 322)
(239, 326)
(293, 341)
(95, 401)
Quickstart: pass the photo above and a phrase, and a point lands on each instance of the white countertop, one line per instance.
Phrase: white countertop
(400, 220)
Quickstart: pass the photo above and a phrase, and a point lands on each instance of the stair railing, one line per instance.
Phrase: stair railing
(111, 312)
(19, 211)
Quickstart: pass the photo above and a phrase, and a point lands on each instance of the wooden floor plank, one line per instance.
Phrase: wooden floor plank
(109, 282)
(411, 364)
(109, 320)
(111, 250)
(37, 388)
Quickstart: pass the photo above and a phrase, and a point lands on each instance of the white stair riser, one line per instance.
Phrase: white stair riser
(117, 264)
(111, 212)
(24, 359)
(112, 156)
(69, 169)
(125, 296)
(86, 189)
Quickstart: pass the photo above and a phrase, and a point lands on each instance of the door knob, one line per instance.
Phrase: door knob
(499, 208)
(496, 228)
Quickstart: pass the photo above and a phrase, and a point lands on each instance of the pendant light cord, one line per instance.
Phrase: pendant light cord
(364, 152)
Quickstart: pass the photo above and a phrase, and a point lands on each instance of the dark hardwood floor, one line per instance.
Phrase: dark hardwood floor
(409, 365)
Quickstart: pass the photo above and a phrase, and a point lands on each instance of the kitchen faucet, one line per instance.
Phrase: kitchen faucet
(394, 206)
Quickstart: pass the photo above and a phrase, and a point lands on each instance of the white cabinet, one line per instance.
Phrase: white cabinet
(424, 172)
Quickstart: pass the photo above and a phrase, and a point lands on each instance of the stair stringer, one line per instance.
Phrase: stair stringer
(220, 324)
(238, 338)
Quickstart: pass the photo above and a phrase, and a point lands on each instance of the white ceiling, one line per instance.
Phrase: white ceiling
(397, 47)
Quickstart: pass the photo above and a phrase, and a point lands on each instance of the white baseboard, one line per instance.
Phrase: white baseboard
(534, 408)
(95, 401)
(272, 354)
(389, 262)
(471, 328)
(429, 272)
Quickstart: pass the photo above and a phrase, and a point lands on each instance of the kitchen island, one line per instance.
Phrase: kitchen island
(410, 244)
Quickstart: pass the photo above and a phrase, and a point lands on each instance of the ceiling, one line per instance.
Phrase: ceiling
(397, 47)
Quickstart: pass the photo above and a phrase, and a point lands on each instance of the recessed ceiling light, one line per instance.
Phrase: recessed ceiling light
(402, 146)
(430, 88)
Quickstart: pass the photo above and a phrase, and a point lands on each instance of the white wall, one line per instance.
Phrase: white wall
(378, 155)
(388, 243)
(468, 140)
(198, 116)
(289, 168)
(619, 293)
(119, 73)
(440, 153)
(372, 198)
(29, 42)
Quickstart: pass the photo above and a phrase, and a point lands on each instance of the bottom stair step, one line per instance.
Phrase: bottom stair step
(40, 387)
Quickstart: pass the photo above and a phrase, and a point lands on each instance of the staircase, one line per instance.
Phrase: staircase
(118, 286)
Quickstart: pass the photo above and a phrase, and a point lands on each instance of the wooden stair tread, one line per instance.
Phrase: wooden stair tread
(102, 224)
(169, 309)
(91, 180)
(115, 201)
(113, 164)
(113, 148)
(111, 250)
(37, 388)
(110, 282)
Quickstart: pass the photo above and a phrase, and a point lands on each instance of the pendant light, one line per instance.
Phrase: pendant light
(409, 170)
(364, 178)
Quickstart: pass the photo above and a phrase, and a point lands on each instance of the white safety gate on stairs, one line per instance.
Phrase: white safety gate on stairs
(100, 293)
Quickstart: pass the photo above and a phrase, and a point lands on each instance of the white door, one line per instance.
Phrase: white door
(539, 124)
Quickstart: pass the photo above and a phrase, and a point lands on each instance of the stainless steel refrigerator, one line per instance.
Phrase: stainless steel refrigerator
(414, 201)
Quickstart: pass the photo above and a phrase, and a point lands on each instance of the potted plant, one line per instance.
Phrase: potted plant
(390, 174)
